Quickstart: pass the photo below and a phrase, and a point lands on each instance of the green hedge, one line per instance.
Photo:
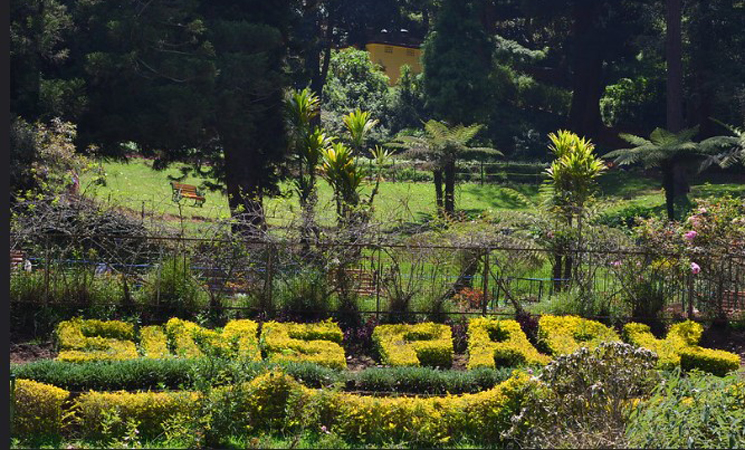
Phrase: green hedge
(143, 374)
(424, 380)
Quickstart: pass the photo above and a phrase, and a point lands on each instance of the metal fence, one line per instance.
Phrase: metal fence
(257, 277)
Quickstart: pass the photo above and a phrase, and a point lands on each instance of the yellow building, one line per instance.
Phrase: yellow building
(392, 56)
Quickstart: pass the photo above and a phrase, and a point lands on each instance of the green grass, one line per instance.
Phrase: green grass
(136, 186)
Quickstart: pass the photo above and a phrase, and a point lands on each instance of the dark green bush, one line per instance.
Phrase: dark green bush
(109, 375)
(424, 380)
(174, 289)
(694, 411)
(139, 374)
(627, 217)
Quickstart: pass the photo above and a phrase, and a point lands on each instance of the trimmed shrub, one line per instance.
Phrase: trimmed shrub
(133, 374)
(424, 380)
(176, 373)
(242, 337)
(275, 401)
(717, 362)
(495, 343)
(95, 340)
(38, 408)
(562, 335)
(154, 342)
(430, 421)
(680, 348)
(238, 338)
(148, 409)
(427, 344)
(181, 335)
(271, 401)
(312, 342)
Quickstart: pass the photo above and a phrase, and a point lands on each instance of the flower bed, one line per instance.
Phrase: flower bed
(491, 343)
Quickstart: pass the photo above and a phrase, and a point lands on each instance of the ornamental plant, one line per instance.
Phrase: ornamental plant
(693, 411)
(700, 248)
(562, 335)
(583, 399)
(426, 344)
(680, 348)
(496, 343)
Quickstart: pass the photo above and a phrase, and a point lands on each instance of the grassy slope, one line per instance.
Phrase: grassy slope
(134, 184)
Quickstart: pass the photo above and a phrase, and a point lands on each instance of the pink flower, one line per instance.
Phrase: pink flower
(694, 220)
(691, 235)
(695, 268)
(702, 210)
(324, 429)
(615, 263)
(550, 234)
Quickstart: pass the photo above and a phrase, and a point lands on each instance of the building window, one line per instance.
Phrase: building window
(410, 52)
(388, 49)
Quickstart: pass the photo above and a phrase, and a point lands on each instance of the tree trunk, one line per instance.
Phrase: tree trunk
(438, 189)
(681, 188)
(450, 188)
(703, 65)
(556, 273)
(245, 196)
(587, 67)
(673, 53)
(668, 185)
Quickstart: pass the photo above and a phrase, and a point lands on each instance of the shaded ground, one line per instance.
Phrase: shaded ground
(29, 352)
(725, 339)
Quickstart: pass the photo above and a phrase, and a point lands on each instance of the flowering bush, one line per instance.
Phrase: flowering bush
(468, 298)
(705, 241)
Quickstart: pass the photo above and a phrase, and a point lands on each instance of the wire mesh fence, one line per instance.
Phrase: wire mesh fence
(316, 279)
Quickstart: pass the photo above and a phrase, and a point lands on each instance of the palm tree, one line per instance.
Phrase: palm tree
(442, 146)
(733, 147)
(669, 152)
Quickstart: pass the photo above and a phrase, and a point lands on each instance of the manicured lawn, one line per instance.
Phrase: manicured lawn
(136, 186)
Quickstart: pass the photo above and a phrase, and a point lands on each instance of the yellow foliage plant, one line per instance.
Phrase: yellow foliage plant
(312, 342)
(426, 344)
(562, 335)
(495, 343)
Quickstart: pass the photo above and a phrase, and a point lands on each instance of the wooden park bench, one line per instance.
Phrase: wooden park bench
(17, 258)
(181, 190)
(363, 282)
(733, 302)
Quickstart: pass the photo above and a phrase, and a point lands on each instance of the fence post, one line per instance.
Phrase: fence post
(46, 273)
(269, 276)
(377, 286)
(12, 400)
(482, 173)
(691, 295)
(486, 280)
